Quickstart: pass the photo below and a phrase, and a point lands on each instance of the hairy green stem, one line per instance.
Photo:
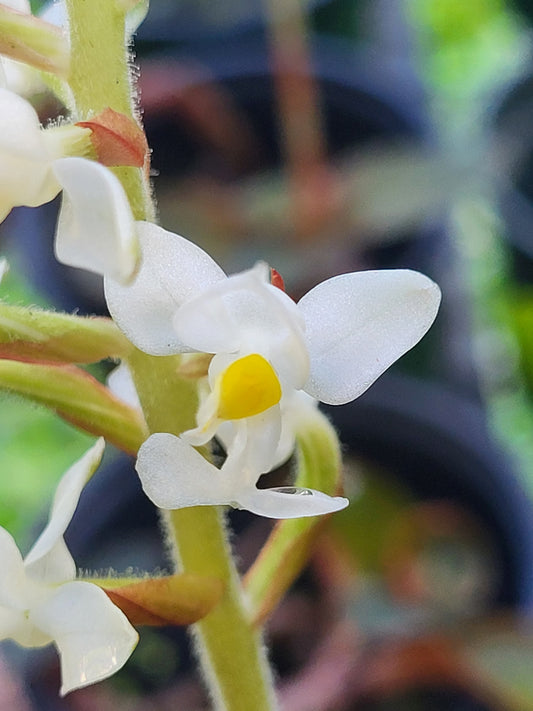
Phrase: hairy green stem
(100, 77)
(231, 652)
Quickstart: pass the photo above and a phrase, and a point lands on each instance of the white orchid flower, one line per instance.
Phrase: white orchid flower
(333, 344)
(96, 230)
(175, 475)
(27, 153)
(41, 602)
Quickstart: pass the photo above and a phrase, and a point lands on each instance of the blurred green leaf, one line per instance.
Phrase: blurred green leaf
(36, 447)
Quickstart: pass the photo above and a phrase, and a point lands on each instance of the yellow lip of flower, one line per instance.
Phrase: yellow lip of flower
(247, 387)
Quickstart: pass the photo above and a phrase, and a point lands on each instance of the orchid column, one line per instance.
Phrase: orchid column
(230, 649)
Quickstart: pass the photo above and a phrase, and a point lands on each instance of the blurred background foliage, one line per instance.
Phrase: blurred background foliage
(36, 446)
(430, 569)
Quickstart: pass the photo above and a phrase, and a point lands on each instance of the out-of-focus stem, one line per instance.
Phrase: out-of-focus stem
(300, 115)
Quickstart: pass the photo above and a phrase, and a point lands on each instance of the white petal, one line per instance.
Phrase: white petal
(358, 324)
(174, 475)
(96, 229)
(17, 595)
(246, 314)
(289, 502)
(210, 322)
(12, 578)
(25, 162)
(135, 16)
(93, 636)
(121, 384)
(49, 559)
(173, 270)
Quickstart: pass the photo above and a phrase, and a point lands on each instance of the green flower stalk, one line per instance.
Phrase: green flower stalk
(229, 648)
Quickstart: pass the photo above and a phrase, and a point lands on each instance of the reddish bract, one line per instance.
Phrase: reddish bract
(117, 139)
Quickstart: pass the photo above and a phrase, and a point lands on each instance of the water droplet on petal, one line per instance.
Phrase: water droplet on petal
(294, 490)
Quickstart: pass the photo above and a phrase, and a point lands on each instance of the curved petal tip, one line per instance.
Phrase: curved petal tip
(290, 502)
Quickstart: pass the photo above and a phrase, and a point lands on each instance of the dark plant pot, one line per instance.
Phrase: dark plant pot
(366, 100)
(192, 25)
(436, 442)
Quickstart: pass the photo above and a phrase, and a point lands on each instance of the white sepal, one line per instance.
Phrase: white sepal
(96, 230)
(138, 9)
(49, 559)
(40, 603)
(4, 268)
(172, 271)
(121, 384)
(93, 636)
(55, 12)
(358, 324)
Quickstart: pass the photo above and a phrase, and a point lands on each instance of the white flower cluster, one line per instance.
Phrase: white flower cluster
(272, 360)
(41, 602)
(168, 296)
